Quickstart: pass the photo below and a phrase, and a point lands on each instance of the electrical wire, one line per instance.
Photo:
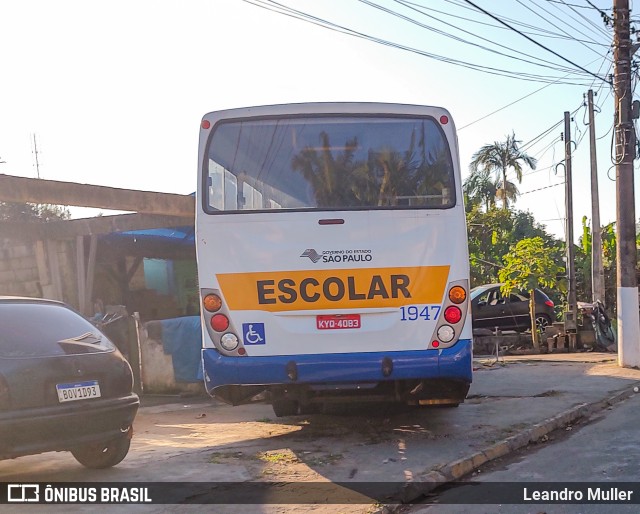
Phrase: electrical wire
(572, 5)
(542, 188)
(523, 98)
(540, 31)
(597, 27)
(534, 11)
(278, 8)
(533, 40)
(552, 66)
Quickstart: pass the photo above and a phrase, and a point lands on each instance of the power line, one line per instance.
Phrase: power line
(543, 134)
(521, 24)
(542, 188)
(550, 22)
(604, 15)
(540, 32)
(532, 40)
(572, 7)
(459, 39)
(514, 102)
(278, 8)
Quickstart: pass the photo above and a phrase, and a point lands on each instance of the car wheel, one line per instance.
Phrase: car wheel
(283, 407)
(103, 455)
(542, 321)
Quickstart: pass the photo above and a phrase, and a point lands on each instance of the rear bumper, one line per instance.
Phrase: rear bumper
(62, 427)
(452, 363)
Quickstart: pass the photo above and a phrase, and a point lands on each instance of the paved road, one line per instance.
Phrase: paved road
(607, 449)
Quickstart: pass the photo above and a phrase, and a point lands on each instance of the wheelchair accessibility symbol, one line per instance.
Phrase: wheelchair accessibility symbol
(253, 333)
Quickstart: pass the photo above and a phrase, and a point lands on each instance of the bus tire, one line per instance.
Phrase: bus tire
(285, 407)
(310, 408)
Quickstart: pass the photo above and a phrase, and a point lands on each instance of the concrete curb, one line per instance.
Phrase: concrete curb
(459, 468)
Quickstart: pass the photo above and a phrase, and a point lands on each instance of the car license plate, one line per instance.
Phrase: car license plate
(337, 321)
(78, 391)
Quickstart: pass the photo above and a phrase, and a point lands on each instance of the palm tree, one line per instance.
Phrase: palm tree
(480, 188)
(499, 157)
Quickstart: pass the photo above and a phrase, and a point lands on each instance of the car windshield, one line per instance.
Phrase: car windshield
(34, 329)
(477, 291)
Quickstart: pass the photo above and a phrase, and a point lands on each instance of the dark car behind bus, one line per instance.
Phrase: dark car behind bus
(492, 310)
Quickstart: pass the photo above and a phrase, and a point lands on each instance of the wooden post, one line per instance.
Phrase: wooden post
(80, 275)
(91, 269)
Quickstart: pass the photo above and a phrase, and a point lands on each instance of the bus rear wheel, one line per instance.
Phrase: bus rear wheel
(285, 407)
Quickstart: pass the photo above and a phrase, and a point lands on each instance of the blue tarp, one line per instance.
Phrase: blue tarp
(180, 236)
(182, 339)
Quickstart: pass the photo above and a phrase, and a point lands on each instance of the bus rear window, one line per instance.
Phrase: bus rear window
(328, 162)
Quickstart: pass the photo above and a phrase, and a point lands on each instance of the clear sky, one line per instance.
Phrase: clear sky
(114, 92)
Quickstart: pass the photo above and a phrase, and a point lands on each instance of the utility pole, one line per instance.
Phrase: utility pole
(35, 152)
(571, 315)
(597, 271)
(627, 285)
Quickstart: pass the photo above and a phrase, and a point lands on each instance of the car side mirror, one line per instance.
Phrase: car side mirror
(482, 303)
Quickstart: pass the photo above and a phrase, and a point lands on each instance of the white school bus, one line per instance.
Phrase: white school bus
(332, 255)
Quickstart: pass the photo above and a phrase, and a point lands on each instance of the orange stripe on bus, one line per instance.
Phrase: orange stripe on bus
(337, 288)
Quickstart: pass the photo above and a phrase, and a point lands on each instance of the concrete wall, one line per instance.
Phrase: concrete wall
(44, 269)
(157, 367)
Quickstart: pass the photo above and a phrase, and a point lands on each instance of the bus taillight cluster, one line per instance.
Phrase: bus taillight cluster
(219, 326)
(449, 328)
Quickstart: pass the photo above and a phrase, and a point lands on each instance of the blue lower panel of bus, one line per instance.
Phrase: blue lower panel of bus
(455, 363)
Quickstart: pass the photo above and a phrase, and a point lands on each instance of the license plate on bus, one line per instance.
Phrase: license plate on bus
(78, 391)
(337, 321)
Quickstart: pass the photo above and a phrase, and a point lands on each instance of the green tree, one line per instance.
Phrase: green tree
(480, 189)
(10, 211)
(492, 233)
(499, 157)
(528, 265)
(583, 264)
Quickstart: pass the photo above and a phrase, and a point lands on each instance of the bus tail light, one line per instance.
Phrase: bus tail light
(457, 294)
(212, 303)
(229, 341)
(446, 333)
(217, 321)
(454, 314)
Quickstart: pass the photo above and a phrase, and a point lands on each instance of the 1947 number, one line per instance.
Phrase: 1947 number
(415, 312)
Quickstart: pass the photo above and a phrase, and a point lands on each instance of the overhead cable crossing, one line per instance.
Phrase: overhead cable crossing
(540, 32)
(287, 11)
(552, 66)
(533, 40)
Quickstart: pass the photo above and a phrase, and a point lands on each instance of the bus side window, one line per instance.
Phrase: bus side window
(216, 186)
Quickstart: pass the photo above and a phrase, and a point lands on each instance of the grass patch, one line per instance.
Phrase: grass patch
(278, 457)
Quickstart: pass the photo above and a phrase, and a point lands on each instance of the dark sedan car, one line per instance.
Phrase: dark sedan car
(490, 309)
(63, 385)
